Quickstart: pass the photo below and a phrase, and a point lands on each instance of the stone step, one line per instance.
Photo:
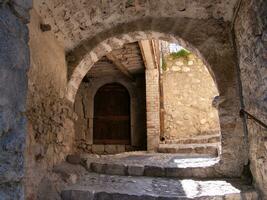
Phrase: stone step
(153, 165)
(210, 149)
(216, 138)
(104, 187)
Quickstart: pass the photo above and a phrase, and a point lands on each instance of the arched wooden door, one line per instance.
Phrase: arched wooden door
(112, 115)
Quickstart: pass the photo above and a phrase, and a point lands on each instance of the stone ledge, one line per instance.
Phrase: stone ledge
(195, 140)
(210, 149)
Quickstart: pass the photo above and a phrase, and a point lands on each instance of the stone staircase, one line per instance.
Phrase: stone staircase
(147, 176)
(208, 145)
(152, 165)
(105, 187)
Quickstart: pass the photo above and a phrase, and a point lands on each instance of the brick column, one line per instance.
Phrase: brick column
(152, 109)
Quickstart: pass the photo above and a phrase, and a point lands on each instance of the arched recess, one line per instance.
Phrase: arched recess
(95, 86)
(207, 39)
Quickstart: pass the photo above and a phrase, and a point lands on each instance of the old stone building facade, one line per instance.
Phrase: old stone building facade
(50, 53)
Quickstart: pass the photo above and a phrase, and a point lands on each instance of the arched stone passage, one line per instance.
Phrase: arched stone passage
(211, 45)
(93, 87)
(206, 38)
(250, 32)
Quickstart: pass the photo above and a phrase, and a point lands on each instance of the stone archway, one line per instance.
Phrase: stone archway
(215, 18)
(216, 53)
(213, 47)
(92, 88)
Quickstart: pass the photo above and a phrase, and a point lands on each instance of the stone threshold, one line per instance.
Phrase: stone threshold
(209, 149)
(151, 165)
(100, 187)
(195, 140)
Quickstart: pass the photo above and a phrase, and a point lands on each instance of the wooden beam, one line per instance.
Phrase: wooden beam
(120, 66)
(148, 54)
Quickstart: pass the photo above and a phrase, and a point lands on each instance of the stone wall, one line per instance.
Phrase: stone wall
(251, 38)
(14, 63)
(84, 106)
(188, 93)
(50, 126)
(74, 21)
(90, 30)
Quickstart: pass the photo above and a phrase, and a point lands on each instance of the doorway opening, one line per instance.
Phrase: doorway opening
(112, 115)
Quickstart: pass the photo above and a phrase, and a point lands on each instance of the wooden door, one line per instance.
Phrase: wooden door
(112, 115)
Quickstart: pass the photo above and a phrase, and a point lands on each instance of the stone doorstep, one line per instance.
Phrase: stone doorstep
(196, 140)
(193, 149)
(152, 171)
(105, 187)
(152, 165)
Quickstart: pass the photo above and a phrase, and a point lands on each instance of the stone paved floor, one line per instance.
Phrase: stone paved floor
(93, 184)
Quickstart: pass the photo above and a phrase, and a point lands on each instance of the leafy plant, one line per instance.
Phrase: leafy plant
(180, 54)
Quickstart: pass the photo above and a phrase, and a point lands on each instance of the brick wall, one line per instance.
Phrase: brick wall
(153, 109)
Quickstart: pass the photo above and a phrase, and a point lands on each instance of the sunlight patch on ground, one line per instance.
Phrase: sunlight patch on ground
(208, 188)
(195, 162)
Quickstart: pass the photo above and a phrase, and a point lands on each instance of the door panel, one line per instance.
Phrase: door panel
(112, 115)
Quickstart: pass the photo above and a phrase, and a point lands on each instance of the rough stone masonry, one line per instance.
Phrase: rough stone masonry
(14, 63)
(189, 93)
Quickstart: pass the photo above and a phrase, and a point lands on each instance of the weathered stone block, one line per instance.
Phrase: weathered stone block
(110, 149)
(98, 149)
(98, 167)
(154, 171)
(87, 165)
(233, 197)
(250, 195)
(116, 169)
(72, 194)
(74, 159)
(120, 148)
(136, 170)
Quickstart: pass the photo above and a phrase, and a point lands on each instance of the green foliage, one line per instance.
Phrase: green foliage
(130, 3)
(182, 53)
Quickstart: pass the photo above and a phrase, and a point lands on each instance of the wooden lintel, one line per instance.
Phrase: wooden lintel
(148, 54)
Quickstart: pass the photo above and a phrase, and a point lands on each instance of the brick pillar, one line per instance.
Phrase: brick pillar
(152, 109)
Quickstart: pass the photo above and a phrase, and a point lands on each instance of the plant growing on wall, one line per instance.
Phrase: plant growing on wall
(182, 53)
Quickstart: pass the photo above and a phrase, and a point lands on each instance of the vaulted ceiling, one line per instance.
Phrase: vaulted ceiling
(126, 61)
(73, 21)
